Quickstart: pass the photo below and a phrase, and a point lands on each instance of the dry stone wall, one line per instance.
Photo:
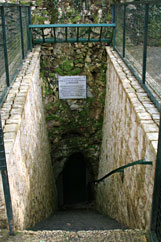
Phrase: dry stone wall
(74, 125)
(30, 170)
(130, 133)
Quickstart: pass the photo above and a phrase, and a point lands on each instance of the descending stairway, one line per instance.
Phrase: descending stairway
(85, 236)
(79, 225)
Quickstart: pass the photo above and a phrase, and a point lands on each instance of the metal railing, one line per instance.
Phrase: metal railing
(138, 42)
(14, 46)
(121, 169)
(14, 42)
(71, 33)
(5, 182)
(156, 206)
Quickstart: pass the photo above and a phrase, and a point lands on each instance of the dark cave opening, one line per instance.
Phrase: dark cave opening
(75, 180)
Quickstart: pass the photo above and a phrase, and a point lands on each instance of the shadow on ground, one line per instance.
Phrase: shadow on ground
(77, 220)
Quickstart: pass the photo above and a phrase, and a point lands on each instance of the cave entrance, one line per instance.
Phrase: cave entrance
(75, 178)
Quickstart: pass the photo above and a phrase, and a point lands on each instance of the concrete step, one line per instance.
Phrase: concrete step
(85, 236)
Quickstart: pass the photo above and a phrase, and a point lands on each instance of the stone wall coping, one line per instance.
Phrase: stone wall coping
(146, 112)
(13, 106)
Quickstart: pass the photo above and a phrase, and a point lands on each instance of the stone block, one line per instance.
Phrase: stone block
(10, 128)
(155, 145)
(9, 136)
(8, 146)
(144, 116)
(152, 136)
(150, 128)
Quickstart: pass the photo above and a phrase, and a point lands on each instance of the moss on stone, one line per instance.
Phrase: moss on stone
(50, 117)
(39, 2)
(76, 71)
(13, 1)
(45, 63)
(36, 19)
(23, 2)
(79, 61)
(59, 71)
(67, 66)
(75, 19)
(51, 74)
(48, 91)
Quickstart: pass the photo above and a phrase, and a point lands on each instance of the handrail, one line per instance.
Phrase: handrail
(15, 4)
(124, 33)
(69, 25)
(136, 3)
(5, 182)
(121, 169)
(9, 70)
(40, 38)
(156, 208)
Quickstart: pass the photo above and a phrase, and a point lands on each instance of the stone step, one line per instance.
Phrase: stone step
(77, 220)
(85, 236)
(79, 223)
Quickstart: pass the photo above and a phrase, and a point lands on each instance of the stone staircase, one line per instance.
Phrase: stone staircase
(85, 236)
(79, 225)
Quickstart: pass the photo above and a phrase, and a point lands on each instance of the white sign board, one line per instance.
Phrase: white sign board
(72, 87)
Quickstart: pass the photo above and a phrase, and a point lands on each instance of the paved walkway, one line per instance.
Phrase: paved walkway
(79, 225)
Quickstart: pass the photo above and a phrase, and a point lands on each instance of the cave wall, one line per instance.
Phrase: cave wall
(74, 125)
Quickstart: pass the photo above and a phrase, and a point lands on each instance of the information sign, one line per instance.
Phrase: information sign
(72, 87)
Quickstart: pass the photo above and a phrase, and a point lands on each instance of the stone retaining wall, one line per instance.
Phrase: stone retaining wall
(130, 133)
(30, 171)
